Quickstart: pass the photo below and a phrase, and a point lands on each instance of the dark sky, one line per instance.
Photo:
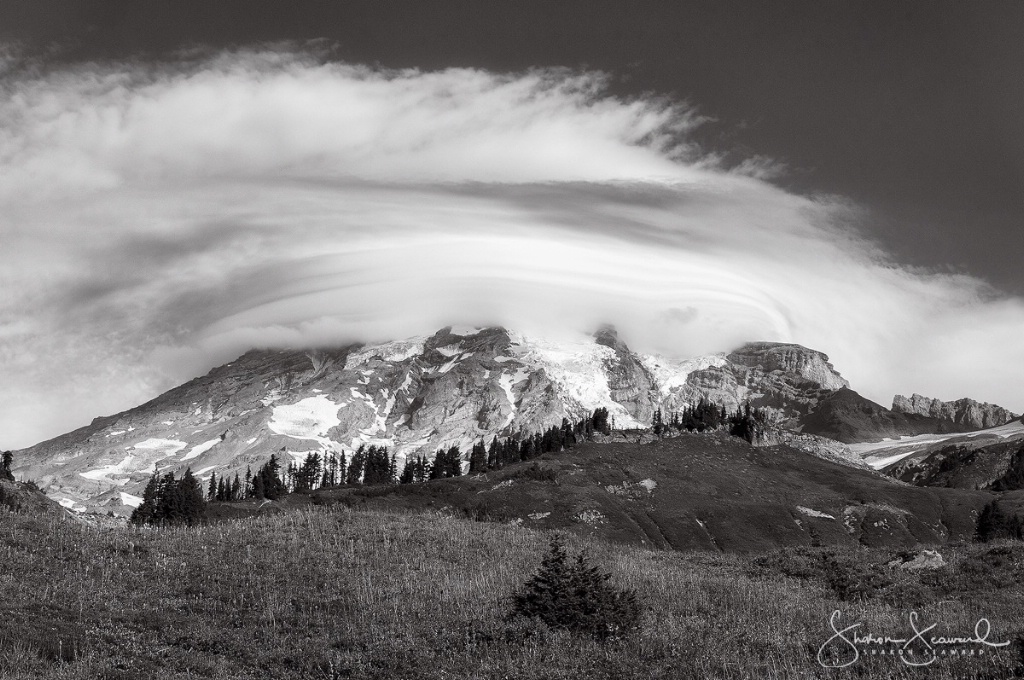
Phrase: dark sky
(913, 109)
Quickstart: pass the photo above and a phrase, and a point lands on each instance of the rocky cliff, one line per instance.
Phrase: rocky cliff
(966, 413)
(788, 381)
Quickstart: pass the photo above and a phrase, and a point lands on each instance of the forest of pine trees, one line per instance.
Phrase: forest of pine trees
(375, 465)
(708, 416)
(994, 524)
(168, 501)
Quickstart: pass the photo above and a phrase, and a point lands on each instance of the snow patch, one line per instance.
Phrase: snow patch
(130, 500)
(813, 513)
(103, 474)
(309, 418)
(648, 484)
(506, 381)
(71, 505)
(200, 449)
(465, 330)
(166, 447)
(205, 470)
(671, 374)
(450, 365)
(450, 350)
(578, 367)
(396, 351)
(272, 396)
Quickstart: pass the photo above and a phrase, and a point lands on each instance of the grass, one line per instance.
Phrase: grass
(339, 593)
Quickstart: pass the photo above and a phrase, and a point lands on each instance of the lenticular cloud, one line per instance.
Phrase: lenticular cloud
(159, 219)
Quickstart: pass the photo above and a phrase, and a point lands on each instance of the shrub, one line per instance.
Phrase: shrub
(577, 597)
(537, 474)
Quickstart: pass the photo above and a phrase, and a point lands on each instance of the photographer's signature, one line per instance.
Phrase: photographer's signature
(845, 647)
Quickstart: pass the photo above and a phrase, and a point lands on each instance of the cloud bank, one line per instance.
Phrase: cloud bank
(157, 220)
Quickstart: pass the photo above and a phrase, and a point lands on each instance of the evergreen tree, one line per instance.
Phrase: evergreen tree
(247, 489)
(493, 461)
(577, 597)
(268, 479)
(658, 426)
(599, 421)
(377, 468)
(211, 491)
(257, 488)
(478, 458)
(993, 524)
(167, 500)
(356, 465)
(408, 472)
(236, 489)
(192, 506)
(146, 511)
(6, 460)
(438, 469)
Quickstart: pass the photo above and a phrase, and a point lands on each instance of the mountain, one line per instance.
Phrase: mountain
(966, 413)
(848, 417)
(455, 387)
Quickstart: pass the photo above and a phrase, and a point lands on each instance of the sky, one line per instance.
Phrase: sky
(181, 182)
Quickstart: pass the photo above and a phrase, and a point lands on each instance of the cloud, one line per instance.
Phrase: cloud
(159, 219)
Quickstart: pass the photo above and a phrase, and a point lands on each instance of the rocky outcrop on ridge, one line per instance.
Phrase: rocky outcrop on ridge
(966, 413)
(786, 380)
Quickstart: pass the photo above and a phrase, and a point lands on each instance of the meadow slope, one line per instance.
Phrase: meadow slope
(340, 593)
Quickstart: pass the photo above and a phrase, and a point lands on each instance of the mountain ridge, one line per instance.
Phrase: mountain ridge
(415, 395)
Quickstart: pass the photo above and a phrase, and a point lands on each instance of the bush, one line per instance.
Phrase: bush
(577, 597)
(537, 474)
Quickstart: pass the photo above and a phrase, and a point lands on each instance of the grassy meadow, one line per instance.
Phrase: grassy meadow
(341, 593)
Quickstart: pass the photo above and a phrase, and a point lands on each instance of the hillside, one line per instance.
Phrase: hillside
(694, 491)
(384, 596)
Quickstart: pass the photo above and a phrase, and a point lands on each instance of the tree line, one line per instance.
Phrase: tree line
(170, 501)
(746, 422)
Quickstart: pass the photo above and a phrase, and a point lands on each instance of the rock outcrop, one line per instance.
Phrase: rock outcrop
(788, 381)
(966, 413)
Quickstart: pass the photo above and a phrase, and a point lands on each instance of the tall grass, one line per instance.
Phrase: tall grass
(348, 594)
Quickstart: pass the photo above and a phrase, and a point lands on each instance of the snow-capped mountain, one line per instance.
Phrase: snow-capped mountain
(414, 396)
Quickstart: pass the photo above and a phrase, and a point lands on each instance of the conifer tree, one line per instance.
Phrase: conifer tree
(577, 597)
(257, 488)
(6, 460)
(356, 465)
(493, 458)
(192, 506)
(146, 511)
(408, 472)
(211, 491)
(236, 489)
(478, 458)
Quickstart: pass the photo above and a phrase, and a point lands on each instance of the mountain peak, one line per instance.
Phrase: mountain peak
(790, 358)
(608, 336)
